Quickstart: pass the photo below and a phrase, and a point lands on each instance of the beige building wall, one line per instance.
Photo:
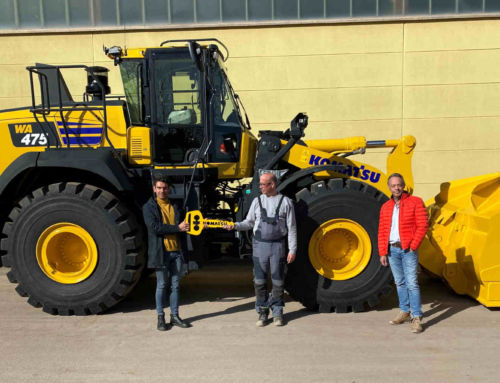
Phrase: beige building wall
(439, 81)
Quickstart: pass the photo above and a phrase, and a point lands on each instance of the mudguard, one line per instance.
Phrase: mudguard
(102, 162)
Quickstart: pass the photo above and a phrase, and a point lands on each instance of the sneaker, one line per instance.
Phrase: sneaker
(278, 321)
(262, 318)
(416, 325)
(402, 317)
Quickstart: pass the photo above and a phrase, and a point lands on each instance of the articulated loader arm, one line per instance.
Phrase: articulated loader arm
(399, 160)
(335, 151)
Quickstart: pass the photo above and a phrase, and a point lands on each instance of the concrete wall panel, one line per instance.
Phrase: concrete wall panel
(454, 134)
(325, 71)
(63, 48)
(452, 35)
(451, 67)
(442, 166)
(461, 100)
(324, 104)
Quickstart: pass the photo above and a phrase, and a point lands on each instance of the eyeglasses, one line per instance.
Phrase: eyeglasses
(266, 184)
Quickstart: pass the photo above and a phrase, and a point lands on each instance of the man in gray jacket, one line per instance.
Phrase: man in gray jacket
(272, 218)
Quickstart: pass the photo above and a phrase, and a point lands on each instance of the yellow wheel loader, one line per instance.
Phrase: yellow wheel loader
(463, 241)
(74, 173)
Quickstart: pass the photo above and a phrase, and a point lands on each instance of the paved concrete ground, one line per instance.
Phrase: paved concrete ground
(461, 342)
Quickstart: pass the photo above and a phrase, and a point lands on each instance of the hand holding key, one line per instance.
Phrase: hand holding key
(184, 226)
(197, 223)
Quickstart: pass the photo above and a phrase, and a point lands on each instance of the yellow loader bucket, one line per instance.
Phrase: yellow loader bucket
(463, 241)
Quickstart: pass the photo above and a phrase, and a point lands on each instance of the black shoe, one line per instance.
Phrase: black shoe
(175, 320)
(263, 314)
(162, 326)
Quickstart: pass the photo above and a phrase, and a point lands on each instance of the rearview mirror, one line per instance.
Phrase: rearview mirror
(195, 53)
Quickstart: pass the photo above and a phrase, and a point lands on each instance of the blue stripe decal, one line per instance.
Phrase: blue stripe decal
(81, 131)
(82, 140)
(68, 123)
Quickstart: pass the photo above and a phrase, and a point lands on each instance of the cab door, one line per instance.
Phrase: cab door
(174, 106)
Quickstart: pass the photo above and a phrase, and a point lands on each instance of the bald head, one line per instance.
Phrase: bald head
(267, 184)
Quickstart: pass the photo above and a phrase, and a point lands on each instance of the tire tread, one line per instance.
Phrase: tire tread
(128, 229)
(302, 281)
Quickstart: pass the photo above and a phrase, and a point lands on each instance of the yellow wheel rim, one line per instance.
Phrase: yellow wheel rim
(340, 249)
(66, 253)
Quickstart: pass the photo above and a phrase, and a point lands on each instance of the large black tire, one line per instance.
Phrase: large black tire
(112, 226)
(322, 202)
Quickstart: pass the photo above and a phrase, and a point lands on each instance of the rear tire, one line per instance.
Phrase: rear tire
(344, 201)
(99, 218)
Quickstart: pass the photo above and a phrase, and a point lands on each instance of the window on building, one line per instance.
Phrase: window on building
(443, 6)
(29, 14)
(470, 6)
(79, 13)
(492, 6)
(105, 12)
(233, 10)
(364, 8)
(390, 7)
(312, 9)
(285, 9)
(207, 11)
(182, 11)
(131, 12)
(260, 10)
(338, 8)
(417, 7)
(156, 11)
(7, 16)
(54, 13)
(33, 14)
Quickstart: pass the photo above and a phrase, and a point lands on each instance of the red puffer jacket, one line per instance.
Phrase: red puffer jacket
(412, 223)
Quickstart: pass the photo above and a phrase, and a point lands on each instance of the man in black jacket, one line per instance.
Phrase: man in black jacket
(162, 219)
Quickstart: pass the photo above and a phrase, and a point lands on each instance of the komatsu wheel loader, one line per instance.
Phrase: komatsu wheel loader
(75, 171)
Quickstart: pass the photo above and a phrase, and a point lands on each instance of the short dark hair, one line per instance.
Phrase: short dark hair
(162, 178)
(396, 175)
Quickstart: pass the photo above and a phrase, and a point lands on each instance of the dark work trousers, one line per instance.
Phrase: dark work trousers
(269, 255)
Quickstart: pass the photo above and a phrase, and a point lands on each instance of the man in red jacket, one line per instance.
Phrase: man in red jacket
(402, 227)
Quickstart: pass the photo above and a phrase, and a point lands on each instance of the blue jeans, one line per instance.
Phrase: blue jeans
(173, 264)
(404, 269)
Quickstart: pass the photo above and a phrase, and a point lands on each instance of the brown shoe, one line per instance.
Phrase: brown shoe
(278, 321)
(416, 325)
(402, 317)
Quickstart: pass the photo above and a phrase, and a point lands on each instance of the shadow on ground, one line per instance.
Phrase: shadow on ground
(227, 280)
(442, 300)
(221, 281)
(231, 281)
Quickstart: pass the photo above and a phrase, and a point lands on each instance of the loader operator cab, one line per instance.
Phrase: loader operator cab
(187, 102)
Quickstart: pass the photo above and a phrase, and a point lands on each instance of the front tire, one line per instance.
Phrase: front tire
(73, 249)
(337, 266)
